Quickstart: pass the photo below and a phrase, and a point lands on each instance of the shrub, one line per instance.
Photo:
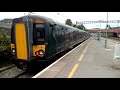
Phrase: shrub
(5, 49)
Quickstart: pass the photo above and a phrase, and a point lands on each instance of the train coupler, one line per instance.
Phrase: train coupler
(22, 65)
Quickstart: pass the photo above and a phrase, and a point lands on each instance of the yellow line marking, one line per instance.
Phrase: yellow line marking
(73, 70)
(81, 56)
(76, 65)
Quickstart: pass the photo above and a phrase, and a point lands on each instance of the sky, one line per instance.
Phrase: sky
(74, 16)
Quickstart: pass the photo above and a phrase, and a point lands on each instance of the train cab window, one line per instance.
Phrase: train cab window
(39, 33)
(39, 26)
(12, 35)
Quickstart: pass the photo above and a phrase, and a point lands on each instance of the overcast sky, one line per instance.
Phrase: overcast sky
(74, 16)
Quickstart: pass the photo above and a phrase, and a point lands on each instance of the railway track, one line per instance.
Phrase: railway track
(23, 75)
(10, 72)
(5, 68)
(13, 72)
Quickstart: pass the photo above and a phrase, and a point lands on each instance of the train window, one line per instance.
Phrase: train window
(38, 33)
(12, 35)
(39, 25)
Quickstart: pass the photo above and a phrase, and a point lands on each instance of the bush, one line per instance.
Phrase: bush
(6, 56)
(4, 43)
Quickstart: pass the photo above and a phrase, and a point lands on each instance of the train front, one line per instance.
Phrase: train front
(28, 40)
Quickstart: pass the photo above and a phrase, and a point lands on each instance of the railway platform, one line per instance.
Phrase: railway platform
(88, 60)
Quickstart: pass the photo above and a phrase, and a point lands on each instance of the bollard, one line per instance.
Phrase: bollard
(117, 51)
(105, 43)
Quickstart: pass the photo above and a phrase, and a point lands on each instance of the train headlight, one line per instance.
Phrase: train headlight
(13, 50)
(41, 52)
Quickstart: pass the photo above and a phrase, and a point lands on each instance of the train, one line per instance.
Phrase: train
(37, 38)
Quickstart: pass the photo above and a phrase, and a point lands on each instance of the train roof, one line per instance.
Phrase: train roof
(38, 16)
(46, 19)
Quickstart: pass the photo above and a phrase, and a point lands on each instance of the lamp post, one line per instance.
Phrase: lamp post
(106, 32)
(98, 34)
(76, 24)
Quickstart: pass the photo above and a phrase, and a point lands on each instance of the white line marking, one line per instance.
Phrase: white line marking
(37, 75)
(52, 70)
(109, 49)
(112, 41)
(111, 45)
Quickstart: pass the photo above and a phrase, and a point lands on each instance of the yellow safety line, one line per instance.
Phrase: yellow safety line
(76, 65)
(83, 53)
(81, 57)
(73, 70)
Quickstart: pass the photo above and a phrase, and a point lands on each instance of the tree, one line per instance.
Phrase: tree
(4, 42)
(68, 22)
(81, 27)
(74, 25)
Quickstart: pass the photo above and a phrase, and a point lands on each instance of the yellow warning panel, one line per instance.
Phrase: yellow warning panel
(21, 44)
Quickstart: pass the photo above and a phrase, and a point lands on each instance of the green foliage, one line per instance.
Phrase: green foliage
(68, 22)
(81, 27)
(74, 25)
(4, 42)
(6, 57)
(5, 50)
(2, 31)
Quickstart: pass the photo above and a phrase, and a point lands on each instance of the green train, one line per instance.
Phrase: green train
(37, 38)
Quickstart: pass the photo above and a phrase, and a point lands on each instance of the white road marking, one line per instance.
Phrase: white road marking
(109, 49)
(112, 45)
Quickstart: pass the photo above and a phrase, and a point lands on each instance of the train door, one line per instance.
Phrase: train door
(58, 38)
(39, 40)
